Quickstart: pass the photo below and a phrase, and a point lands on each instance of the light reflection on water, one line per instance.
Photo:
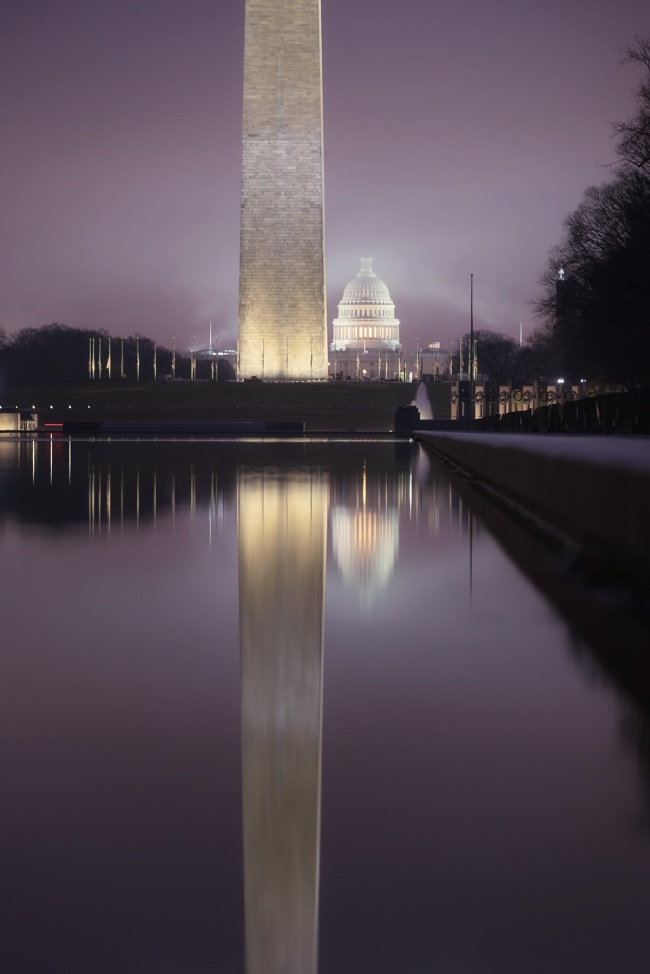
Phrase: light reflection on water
(291, 707)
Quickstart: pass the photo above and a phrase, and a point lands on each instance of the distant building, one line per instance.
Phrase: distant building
(366, 314)
(222, 364)
(366, 340)
(17, 421)
(434, 361)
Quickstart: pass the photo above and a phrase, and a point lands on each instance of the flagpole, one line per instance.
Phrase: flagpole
(471, 343)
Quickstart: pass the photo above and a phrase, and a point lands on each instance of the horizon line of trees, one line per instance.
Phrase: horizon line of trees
(501, 359)
(61, 353)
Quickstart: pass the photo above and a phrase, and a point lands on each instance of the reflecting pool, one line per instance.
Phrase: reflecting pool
(295, 707)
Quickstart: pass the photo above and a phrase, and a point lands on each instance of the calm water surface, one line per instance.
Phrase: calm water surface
(289, 707)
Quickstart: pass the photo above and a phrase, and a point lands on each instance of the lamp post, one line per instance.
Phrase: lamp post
(471, 343)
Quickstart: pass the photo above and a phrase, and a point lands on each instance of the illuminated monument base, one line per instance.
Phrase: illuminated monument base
(282, 309)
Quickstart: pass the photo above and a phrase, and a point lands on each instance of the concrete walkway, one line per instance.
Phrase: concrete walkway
(596, 489)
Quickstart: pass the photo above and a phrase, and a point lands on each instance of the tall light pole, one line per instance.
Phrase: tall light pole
(471, 342)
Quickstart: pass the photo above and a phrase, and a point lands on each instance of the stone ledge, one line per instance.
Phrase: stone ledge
(595, 489)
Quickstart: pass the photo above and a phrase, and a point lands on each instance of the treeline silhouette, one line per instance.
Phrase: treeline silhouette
(595, 307)
(502, 359)
(60, 353)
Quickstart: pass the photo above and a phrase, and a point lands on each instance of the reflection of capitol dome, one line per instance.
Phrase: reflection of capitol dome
(365, 544)
(366, 314)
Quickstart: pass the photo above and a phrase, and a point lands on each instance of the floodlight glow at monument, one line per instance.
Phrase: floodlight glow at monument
(282, 307)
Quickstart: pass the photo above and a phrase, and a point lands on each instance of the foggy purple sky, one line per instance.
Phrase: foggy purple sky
(457, 137)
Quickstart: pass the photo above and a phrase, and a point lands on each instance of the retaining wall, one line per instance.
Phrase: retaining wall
(595, 489)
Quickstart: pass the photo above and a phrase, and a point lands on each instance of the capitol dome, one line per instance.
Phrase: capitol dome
(366, 314)
(366, 287)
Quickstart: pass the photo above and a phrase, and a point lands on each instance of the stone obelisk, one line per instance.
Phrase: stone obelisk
(282, 309)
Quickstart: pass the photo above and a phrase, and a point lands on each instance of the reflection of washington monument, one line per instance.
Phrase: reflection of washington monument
(282, 544)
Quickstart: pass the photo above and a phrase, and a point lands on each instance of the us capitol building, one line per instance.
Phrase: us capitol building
(366, 341)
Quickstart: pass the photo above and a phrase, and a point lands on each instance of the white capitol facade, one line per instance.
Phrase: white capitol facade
(366, 342)
(366, 314)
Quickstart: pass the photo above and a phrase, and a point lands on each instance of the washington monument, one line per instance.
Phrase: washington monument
(282, 309)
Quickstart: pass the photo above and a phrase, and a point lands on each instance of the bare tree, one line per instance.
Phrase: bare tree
(497, 355)
(595, 303)
(59, 353)
(633, 143)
